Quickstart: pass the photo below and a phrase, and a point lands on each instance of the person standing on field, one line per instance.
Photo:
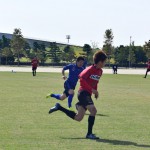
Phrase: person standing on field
(115, 68)
(148, 68)
(35, 64)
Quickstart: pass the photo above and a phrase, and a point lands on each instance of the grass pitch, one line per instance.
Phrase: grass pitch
(122, 121)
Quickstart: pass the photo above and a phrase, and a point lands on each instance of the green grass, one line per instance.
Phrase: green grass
(122, 121)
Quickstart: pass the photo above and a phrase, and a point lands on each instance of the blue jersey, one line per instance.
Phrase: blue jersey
(74, 72)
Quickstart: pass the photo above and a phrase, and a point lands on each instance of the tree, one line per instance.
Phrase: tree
(68, 54)
(107, 47)
(140, 55)
(147, 48)
(121, 55)
(87, 49)
(36, 47)
(94, 45)
(67, 49)
(17, 43)
(6, 52)
(54, 53)
(27, 49)
(131, 58)
(42, 53)
(5, 42)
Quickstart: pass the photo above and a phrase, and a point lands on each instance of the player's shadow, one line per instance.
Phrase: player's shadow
(102, 115)
(115, 142)
(119, 142)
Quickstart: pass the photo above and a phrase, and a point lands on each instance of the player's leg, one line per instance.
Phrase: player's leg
(76, 116)
(80, 115)
(86, 102)
(91, 120)
(33, 71)
(114, 71)
(60, 96)
(148, 70)
(70, 97)
(57, 96)
(146, 73)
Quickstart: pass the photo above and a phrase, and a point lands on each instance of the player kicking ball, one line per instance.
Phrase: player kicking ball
(89, 79)
(71, 81)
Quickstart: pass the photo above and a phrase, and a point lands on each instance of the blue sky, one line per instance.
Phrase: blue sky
(84, 20)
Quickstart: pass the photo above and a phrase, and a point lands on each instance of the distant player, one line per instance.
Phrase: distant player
(89, 79)
(71, 81)
(34, 63)
(148, 68)
(115, 68)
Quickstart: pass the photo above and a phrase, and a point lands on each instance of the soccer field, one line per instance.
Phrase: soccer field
(122, 121)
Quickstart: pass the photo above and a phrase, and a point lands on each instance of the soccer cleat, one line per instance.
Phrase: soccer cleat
(55, 108)
(48, 95)
(92, 136)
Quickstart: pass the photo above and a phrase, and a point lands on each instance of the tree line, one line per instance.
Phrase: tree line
(125, 55)
(12, 50)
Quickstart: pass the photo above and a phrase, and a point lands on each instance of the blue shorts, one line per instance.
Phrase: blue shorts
(67, 87)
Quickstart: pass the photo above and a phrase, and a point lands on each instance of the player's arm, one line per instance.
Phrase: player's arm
(97, 94)
(63, 71)
(63, 74)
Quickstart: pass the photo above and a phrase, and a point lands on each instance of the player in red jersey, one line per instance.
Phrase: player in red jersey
(34, 63)
(148, 68)
(89, 79)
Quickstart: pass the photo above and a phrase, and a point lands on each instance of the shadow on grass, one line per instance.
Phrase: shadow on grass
(99, 115)
(115, 142)
(118, 142)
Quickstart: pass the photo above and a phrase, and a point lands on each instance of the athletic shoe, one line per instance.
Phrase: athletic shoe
(48, 95)
(55, 108)
(92, 136)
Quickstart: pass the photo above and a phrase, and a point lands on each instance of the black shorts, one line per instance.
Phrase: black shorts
(34, 68)
(67, 87)
(85, 99)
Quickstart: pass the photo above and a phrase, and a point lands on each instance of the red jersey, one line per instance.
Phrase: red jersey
(148, 65)
(35, 62)
(89, 78)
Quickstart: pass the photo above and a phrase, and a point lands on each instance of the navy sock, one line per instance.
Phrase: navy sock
(57, 96)
(91, 121)
(70, 100)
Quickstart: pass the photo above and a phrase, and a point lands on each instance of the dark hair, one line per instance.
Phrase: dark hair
(80, 58)
(99, 56)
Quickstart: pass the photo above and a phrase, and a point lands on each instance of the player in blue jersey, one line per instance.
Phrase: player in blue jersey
(71, 81)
